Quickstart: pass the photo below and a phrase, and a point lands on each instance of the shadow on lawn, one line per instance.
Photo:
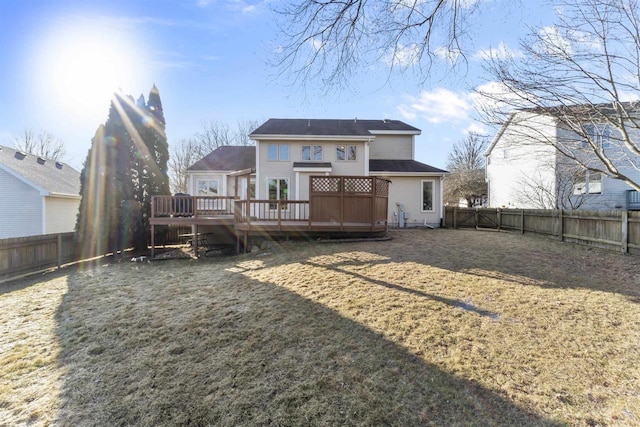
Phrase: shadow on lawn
(526, 260)
(244, 352)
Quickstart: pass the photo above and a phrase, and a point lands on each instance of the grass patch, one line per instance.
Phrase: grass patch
(435, 327)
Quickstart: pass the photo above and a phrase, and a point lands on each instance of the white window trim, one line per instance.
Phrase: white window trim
(346, 153)
(312, 153)
(433, 198)
(197, 188)
(286, 178)
(279, 157)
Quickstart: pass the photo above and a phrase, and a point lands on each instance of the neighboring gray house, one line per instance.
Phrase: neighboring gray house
(39, 196)
(525, 169)
(289, 151)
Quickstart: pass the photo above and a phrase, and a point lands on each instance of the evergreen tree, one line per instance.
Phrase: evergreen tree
(125, 167)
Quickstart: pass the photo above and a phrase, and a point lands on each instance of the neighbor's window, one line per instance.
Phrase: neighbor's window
(347, 152)
(207, 187)
(278, 189)
(312, 152)
(588, 182)
(277, 152)
(600, 135)
(427, 195)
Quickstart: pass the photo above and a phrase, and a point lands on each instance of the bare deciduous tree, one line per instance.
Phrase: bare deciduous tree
(467, 179)
(42, 144)
(581, 72)
(213, 135)
(331, 39)
(538, 192)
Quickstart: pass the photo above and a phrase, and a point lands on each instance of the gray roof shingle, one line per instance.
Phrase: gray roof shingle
(402, 166)
(227, 158)
(327, 127)
(52, 176)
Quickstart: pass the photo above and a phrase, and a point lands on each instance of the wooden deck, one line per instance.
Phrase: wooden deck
(338, 204)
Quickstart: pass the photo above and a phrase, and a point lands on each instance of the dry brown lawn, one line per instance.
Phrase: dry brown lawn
(435, 327)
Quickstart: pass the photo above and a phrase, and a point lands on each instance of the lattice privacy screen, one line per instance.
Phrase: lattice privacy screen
(325, 184)
(357, 185)
(382, 187)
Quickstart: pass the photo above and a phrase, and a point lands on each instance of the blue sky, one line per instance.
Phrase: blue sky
(60, 61)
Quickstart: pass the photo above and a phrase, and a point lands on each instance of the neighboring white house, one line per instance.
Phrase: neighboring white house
(39, 196)
(526, 170)
(289, 151)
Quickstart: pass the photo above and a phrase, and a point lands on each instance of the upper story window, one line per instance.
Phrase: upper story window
(312, 152)
(278, 152)
(347, 152)
(600, 135)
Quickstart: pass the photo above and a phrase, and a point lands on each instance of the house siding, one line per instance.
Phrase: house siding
(392, 147)
(517, 159)
(284, 169)
(535, 162)
(21, 208)
(60, 214)
(408, 192)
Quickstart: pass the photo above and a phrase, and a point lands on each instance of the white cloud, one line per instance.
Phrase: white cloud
(553, 43)
(449, 55)
(500, 52)
(494, 96)
(204, 3)
(316, 44)
(438, 106)
(403, 56)
(476, 128)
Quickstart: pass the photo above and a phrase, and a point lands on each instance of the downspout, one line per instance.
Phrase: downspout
(441, 200)
(366, 157)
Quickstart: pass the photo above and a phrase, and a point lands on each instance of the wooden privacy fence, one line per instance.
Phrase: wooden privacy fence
(22, 255)
(348, 199)
(619, 230)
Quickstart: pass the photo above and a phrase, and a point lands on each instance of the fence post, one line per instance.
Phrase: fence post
(625, 231)
(522, 221)
(499, 218)
(561, 227)
(59, 249)
(455, 217)
(475, 214)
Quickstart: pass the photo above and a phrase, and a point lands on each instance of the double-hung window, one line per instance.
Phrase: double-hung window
(346, 152)
(427, 195)
(278, 152)
(312, 152)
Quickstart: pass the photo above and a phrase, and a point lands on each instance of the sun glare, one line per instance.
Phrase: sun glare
(82, 67)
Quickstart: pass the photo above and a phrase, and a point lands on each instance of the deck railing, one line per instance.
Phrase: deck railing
(247, 211)
(191, 206)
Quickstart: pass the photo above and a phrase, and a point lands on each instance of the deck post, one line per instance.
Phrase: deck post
(195, 241)
(153, 241)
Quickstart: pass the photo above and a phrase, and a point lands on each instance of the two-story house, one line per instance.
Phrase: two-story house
(289, 151)
(545, 159)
